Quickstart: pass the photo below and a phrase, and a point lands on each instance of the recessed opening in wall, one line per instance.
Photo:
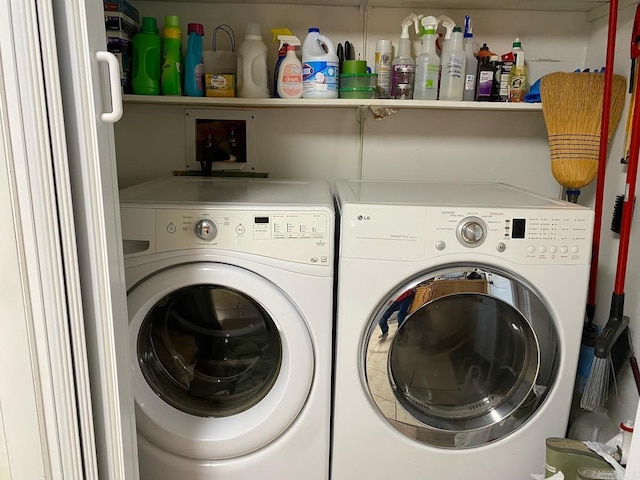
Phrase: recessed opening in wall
(219, 140)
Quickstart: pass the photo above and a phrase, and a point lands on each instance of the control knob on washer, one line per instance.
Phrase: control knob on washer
(471, 232)
(206, 229)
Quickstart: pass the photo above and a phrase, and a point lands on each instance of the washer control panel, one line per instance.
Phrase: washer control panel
(299, 236)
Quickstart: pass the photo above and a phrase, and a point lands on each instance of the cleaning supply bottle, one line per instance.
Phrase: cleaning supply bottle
(486, 75)
(453, 68)
(471, 64)
(193, 66)
(282, 52)
(448, 25)
(484, 52)
(383, 59)
(427, 63)
(252, 81)
(319, 66)
(171, 77)
(518, 74)
(403, 67)
(289, 81)
(147, 59)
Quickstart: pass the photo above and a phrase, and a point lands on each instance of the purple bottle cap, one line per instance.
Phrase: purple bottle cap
(195, 28)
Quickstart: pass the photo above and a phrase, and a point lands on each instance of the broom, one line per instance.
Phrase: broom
(572, 108)
(597, 388)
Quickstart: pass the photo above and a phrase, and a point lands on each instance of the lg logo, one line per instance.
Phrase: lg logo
(364, 217)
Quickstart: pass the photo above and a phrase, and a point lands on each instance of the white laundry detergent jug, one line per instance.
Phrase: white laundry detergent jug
(252, 65)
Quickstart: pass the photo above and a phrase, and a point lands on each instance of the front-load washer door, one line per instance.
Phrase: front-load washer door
(223, 360)
(460, 357)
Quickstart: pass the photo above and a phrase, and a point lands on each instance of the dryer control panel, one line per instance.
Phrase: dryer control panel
(521, 235)
(292, 235)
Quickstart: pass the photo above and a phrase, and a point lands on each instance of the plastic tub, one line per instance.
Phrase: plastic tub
(358, 80)
(358, 92)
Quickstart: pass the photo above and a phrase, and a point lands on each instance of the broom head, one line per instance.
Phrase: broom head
(572, 108)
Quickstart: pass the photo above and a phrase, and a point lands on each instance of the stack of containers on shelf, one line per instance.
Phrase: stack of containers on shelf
(356, 81)
(122, 21)
(147, 59)
(171, 76)
(471, 65)
(319, 66)
(453, 68)
(427, 63)
(193, 66)
(289, 70)
(253, 80)
(403, 67)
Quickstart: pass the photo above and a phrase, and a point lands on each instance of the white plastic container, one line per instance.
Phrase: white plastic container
(290, 75)
(453, 68)
(319, 66)
(252, 79)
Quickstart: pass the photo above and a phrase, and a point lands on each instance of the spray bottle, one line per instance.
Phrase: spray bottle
(448, 25)
(471, 66)
(289, 75)
(453, 65)
(282, 52)
(403, 67)
(427, 63)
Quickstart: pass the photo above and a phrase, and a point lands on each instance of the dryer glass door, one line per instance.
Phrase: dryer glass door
(465, 366)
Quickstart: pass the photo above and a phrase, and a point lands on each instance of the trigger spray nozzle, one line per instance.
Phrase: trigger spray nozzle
(288, 40)
(429, 25)
(448, 24)
(406, 23)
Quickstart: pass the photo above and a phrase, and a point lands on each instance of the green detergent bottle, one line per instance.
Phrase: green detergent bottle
(171, 77)
(146, 59)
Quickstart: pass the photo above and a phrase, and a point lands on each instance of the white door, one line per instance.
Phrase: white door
(92, 102)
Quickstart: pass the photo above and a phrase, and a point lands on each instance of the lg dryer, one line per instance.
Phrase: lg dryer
(481, 370)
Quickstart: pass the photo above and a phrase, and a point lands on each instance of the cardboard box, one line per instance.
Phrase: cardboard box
(119, 22)
(122, 6)
(220, 85)
(121, 46)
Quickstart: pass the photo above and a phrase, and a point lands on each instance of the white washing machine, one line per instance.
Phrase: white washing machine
(230, 298)
(478, 368)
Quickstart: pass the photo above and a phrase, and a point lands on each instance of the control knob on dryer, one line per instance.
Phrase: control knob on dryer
(471, 232)
(206, 229)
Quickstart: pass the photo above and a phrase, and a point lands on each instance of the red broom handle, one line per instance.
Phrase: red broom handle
(627, 210)
(602, 157)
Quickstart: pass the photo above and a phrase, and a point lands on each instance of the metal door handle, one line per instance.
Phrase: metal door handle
(114, 84)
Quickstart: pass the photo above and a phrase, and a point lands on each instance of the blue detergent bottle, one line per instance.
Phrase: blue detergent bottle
(193, 66)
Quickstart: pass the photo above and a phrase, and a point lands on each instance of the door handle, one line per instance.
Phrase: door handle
(114, 84)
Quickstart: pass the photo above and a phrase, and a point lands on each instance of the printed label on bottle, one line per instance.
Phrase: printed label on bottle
(485, 81)
(291, 80)
(470, 82)
(199, 73)
(320, 77)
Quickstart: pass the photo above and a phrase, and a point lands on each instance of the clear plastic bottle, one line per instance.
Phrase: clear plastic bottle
(253, 79)
(427, 63)
(171, 77)
(193, 66)
(453, 68)
(147, 58)
(403, 67)
(319, 66)
(518, 74)
(471, 65)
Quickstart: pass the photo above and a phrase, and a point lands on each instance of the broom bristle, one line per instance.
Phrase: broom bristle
(596, 391)
(572, 108)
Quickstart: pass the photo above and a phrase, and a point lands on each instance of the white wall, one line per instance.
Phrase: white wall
(413, 144)
(624, 405)
(5, 474)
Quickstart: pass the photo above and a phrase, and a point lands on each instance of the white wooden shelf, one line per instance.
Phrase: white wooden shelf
(333, 103)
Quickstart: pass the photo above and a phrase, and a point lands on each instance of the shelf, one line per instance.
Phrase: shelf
(333, 103)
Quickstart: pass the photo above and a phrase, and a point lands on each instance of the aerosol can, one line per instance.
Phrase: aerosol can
(403, 67)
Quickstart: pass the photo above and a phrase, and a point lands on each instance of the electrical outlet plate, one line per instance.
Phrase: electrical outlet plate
(231, 131)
